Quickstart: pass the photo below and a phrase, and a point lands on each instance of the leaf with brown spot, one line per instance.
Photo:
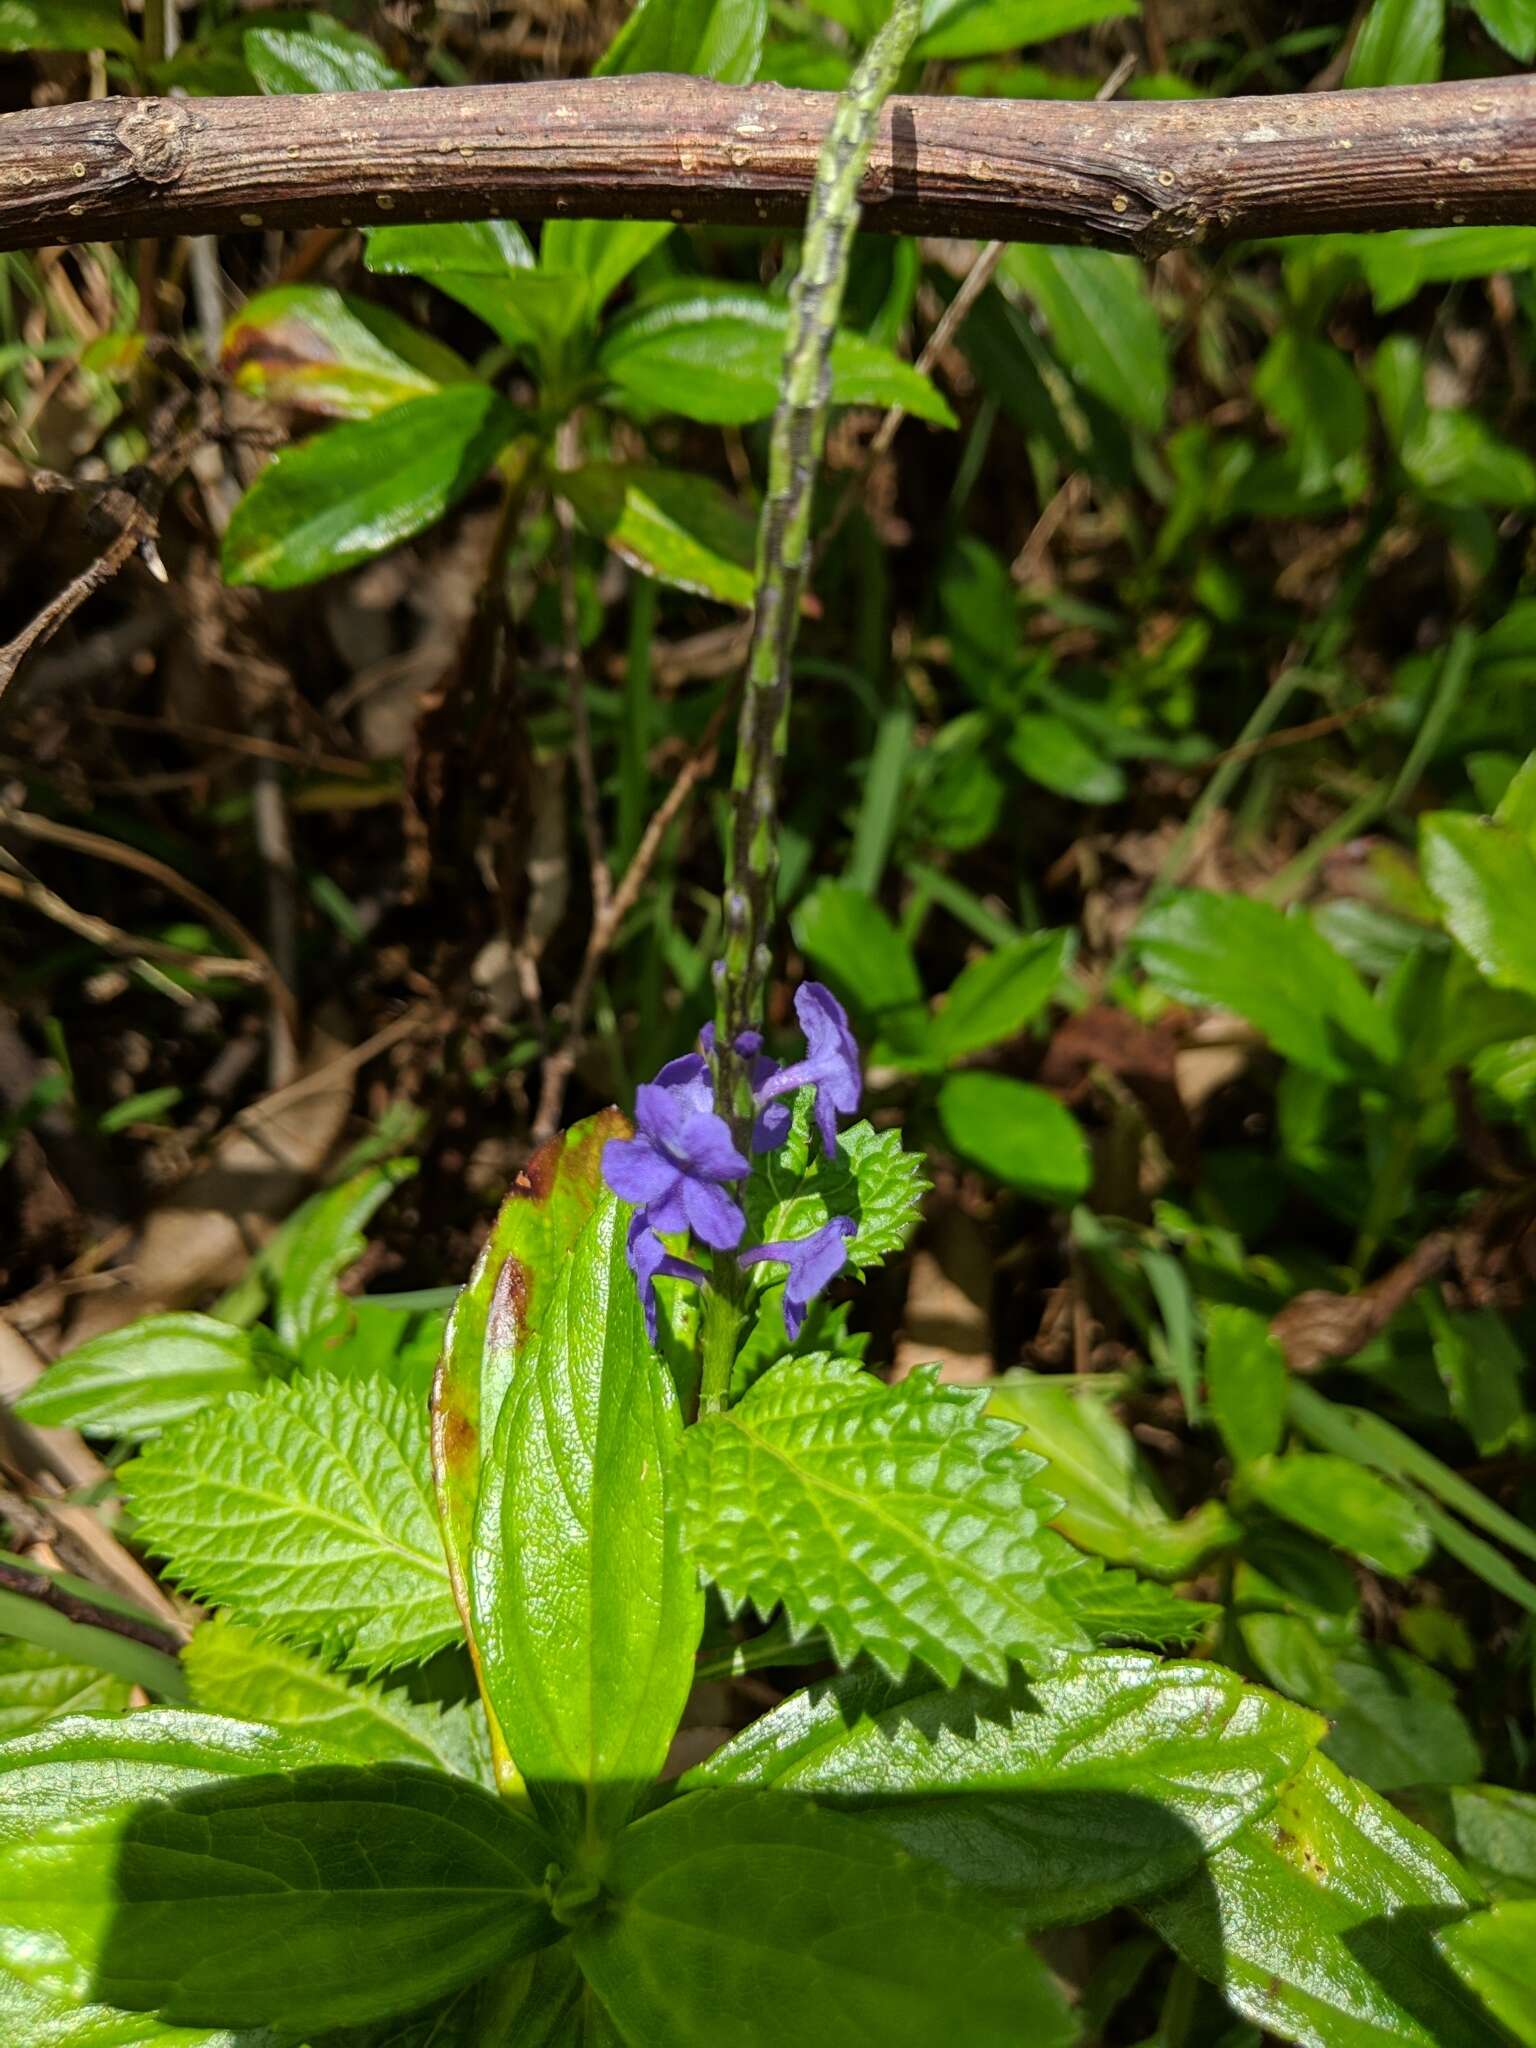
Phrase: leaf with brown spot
(497, 1316)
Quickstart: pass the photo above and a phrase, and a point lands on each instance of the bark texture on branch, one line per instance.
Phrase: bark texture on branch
(1144, 176)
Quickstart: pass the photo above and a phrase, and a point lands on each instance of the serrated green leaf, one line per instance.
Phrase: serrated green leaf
(138, 1380)
(1110, 1504)
(1235, 953)
(497, 1318)
(872, 1177)
(322, 57)
(668, 523)
(310, 346)
(1346, 1506)
(751, 1917)
(587, 1607)
(1103, 1780)
(233, 1671)
(1494, 1955)
(716, 355)
(898, 1519)
(307, 1511)
(1316, 1922)
(1020, 1134)
(360, 489)
(39, 1685)
(1246, 1378)
(324, 1895)
(1001, 994)
(1119, 1607)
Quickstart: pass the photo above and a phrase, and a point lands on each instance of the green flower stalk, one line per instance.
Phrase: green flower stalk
(783, 553)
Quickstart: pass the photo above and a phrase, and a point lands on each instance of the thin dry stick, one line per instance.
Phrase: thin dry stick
(561, 1063)
(139, 526)
(24, 888)
(94, 844)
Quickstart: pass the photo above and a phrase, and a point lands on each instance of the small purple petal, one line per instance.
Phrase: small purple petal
(688, 1078)
(813, 1261)
(648, 1258)
(637, 1172)
(660, 1114)
(712, 1215)
(705, 1151)
(772, 1127)
(830, 1043)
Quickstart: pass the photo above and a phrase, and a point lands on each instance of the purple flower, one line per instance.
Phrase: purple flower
(674, 1166)
(830, 1066)
(813, 1263)
(648, 1258)
(772, 1125)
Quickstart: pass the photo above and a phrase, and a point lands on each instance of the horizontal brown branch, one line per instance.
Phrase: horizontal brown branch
(1144, 177)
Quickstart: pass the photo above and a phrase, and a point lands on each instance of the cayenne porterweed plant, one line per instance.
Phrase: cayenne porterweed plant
(642, 1452)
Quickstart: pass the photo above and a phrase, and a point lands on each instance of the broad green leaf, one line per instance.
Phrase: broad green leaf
(309, 346)
(713, 38)
(322, 1240)
(751, 1917)
(668, 523)
(1235, 953)
(1317, 1920)
(1401, 262)
(136, 1381)
(360, 489)
(1110, 1504)
(1483, 876)
(587, 1606)
(871, 1177)
(307, 1511)
(38, 1685)
(1396, 1722)
(601, 252)
(975, 28)
(1512, 23)
(1369, 1439)
(232, 1670)
(1313, 390)
(1494, 1955)
(1097, 1783)
(1401, 42)
(461, 248)
(1482, 1366)
(1052, 751)
(324, 57)
(717, 356)
(856, 948)
(1102, 321)
(497, 1318)
(899, 1519)
(1001, 994)
(1246, 1378)
(211, 1873)
(1345, 1505)
(1020, 1134)
(543, 2001)
(1493, 1830)
(66, 25)
(34, 2018)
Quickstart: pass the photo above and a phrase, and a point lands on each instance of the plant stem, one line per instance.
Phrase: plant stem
(783, 551)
